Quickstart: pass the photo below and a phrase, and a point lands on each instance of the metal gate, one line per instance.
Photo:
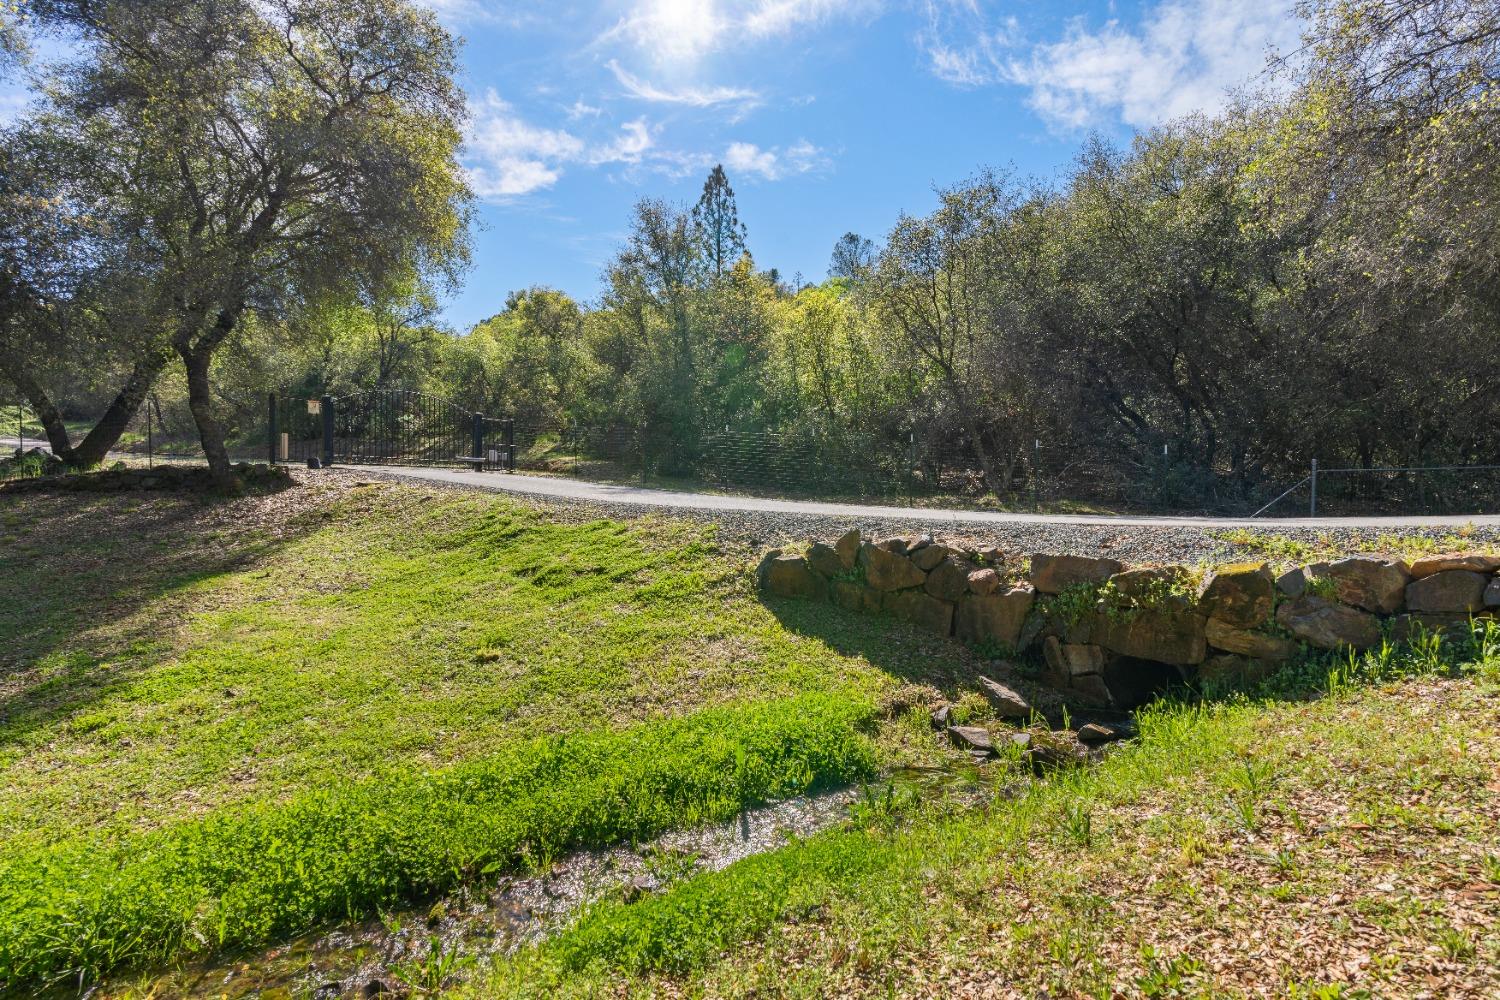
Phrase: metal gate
(387, 427)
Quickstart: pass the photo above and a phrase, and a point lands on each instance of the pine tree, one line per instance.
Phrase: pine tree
(716, 224)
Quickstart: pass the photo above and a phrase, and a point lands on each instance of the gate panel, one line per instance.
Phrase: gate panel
(397, 427)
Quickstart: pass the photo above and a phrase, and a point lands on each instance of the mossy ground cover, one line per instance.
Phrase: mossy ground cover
(209, 709)
(1336, 835)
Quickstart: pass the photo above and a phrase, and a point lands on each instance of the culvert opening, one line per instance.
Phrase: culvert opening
(1134, 682)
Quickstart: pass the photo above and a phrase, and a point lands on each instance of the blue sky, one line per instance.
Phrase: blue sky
(829, 115)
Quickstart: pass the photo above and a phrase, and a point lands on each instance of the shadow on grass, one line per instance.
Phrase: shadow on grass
(899, 648)
(77, 571)
(906, 652)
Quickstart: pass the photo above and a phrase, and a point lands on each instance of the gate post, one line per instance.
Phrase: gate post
(478, 441)
(510, 444)
(326, 406)
(271, 431)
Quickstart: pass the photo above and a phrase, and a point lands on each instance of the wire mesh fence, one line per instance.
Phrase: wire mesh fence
(924, 466)
(1437, 490)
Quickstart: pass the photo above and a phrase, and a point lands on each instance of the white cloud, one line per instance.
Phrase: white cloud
(1186, 56)
(629, 147)
(509, 157)
(774, 164)
(748, 158)
(962, 47)
(693, 96)
(681, 32)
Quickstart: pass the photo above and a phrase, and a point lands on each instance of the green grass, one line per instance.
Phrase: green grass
(224, 720)
(1286, 552)
(1228, 830)
(243, 876)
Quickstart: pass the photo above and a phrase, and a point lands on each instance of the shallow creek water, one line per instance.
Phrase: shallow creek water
(403, 952)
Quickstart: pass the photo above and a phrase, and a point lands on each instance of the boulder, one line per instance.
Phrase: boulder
(1007, 702)
(1492, 594)
(824, 559)
(1472, 562)
(1142, 583)
(983, 581)
(848, 547)
(928, 556)
(1293, 583)
(990, 555)
(996, 618)
(971, 738)
(1230, 669)
(1406, 627)
(1103, 732)
(1328, 624)
(896, 545)
(949, 580)
(1070, 659)
(940, 716)
(1171, 633)
(1256, 645)
(1053, 574)
(1451, 591)
(1089, 691)
(886, 570)
(790, 576)
(1048, 750)
(853, 596)
(1240, 595)
(922, 610)
(1373, 584)
(1032, 629)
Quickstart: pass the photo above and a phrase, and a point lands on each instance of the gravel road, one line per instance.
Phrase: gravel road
(1132, 540)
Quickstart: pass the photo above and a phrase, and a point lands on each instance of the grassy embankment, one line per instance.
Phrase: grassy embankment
(223, 721)
(1336, 834)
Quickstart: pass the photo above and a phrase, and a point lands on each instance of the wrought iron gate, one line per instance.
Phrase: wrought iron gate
(387, 427)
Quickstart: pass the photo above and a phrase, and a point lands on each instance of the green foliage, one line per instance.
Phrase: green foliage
(434, 970)
(877, 880)
(243, 876)
(1071, 607)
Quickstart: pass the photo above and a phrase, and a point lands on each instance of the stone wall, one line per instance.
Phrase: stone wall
(1110, 636)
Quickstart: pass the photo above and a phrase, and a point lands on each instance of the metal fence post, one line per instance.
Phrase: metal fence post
(271, 430)
(1036, 454)
(478, 451)
(325, 404)
(1313, 501)
(510, 444)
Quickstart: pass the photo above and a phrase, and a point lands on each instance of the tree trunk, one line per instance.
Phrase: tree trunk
(44, 408)
(122, 409)
(95, 446)
(201, 403)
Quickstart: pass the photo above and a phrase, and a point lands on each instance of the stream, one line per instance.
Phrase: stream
(418, 947)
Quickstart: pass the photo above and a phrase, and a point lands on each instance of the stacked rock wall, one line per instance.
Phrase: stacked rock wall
(1111, 635)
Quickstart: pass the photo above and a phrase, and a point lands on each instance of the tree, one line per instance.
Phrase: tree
(852, 257)
(716, 224)
(262, 154)
(70, 308)
(13, 45)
